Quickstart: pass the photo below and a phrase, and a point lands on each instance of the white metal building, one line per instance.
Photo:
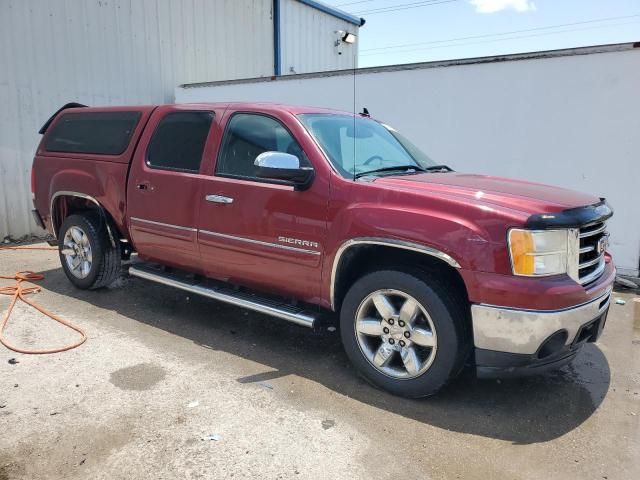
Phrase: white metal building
(114, 52)
(569, 118)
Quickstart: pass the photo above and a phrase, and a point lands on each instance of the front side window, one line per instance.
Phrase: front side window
(101, 133)
(247, 136)
(357, 145)
(179, 140)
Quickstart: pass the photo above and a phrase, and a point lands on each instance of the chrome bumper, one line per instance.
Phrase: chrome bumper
(510, 330)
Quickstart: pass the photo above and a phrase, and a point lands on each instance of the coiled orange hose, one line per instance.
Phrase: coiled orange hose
(19, 292)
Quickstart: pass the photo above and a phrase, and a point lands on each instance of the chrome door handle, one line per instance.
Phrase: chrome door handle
(219, 199)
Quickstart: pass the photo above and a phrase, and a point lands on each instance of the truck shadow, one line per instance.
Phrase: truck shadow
(522, 411)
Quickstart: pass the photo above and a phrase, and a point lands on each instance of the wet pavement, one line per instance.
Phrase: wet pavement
(171, 385)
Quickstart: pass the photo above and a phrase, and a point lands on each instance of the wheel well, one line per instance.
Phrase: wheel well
(359, 260)
(65, 205)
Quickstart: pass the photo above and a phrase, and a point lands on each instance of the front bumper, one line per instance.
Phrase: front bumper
(512, 342)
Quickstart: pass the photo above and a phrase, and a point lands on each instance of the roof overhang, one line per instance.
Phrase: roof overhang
(347, 17)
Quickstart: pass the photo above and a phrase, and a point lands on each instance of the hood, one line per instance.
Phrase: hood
(520, 195)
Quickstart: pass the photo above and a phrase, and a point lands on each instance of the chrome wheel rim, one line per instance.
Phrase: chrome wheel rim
(396, 334)
(77, 252)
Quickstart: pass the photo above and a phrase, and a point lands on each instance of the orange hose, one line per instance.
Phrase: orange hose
(28, 248)
(19, 292)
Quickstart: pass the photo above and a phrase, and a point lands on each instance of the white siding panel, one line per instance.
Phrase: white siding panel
(110, 52)
(307, 38)
(569, 120)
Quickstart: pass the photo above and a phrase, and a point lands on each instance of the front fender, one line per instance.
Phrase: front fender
(468, 243)
(473, 237)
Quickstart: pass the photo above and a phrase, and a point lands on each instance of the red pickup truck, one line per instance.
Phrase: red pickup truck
(297, 211)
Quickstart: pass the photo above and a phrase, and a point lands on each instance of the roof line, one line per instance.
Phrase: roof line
(358, 21)
(565, 52)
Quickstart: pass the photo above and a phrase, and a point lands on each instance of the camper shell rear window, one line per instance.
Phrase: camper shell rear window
(101, 133)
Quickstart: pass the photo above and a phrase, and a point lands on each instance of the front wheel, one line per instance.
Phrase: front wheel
(88, 258)
(404, 331)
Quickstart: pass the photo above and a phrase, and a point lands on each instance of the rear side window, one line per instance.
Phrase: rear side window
(102, 133)
(178, 142)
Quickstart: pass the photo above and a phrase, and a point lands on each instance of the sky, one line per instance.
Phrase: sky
(407, 31)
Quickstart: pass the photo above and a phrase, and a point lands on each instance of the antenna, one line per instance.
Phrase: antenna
(355, 136)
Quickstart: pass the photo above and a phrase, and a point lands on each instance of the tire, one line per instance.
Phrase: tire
(435, 331)
(92, 244)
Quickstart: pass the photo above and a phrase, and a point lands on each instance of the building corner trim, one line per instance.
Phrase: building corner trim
(277, 69)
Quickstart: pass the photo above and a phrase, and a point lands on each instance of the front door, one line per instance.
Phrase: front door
(258, 233)
(162, 191)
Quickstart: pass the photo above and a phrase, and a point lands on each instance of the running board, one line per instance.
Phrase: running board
(225, 294)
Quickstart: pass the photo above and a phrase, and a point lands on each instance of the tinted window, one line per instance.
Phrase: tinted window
(249, 135)
(178, 142)
(104, 133)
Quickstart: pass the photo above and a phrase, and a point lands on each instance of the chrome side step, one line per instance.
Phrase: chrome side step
(228, 295)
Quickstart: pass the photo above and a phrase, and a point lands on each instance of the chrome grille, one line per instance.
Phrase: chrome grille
(591, 263)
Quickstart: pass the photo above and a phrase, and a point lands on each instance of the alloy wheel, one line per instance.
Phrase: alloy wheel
(77, 252)
(396, 334)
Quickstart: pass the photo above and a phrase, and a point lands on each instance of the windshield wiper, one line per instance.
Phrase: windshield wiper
(439, 168)
(391, 169)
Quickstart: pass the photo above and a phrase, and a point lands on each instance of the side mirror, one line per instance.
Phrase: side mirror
(285, 167)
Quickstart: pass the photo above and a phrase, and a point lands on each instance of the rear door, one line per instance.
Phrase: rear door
(162, 191)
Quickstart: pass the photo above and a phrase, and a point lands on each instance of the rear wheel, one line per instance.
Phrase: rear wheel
(87, 256)
(404, 331)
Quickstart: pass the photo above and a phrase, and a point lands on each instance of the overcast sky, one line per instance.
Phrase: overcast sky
(405, 31)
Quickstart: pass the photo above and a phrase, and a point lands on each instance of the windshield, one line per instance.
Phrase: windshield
(357, 145)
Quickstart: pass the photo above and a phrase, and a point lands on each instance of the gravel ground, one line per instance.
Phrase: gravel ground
(174, 386)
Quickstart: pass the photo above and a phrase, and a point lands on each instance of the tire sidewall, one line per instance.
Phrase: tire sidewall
(449, 342)
(97, 253)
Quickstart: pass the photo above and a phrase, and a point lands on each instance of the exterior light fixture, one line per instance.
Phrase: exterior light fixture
(349, 38)
(345, 37)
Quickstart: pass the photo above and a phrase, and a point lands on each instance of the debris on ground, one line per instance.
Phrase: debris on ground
(193, 404)
(331, 329)
(327, 424)
(620, 301)
(267, 386)
(626, 282)
(13, 361)
(212, 436)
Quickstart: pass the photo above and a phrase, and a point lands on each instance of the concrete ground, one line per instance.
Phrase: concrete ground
(174, 386)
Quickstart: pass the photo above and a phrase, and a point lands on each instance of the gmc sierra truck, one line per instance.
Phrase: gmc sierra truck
(296, 212)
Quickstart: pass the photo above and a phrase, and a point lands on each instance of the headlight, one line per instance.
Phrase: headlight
(538, 253)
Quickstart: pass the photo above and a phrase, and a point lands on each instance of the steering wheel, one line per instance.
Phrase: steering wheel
(373, 159)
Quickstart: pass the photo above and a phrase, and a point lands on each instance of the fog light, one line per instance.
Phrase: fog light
(553, 344)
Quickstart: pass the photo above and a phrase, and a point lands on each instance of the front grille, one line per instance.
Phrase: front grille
(591, 263)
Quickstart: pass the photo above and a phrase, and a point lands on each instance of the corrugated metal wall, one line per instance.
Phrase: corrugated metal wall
(109, 52)
(307, 40)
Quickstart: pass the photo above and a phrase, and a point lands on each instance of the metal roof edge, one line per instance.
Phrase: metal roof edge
(334, 12)
(565, 52)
